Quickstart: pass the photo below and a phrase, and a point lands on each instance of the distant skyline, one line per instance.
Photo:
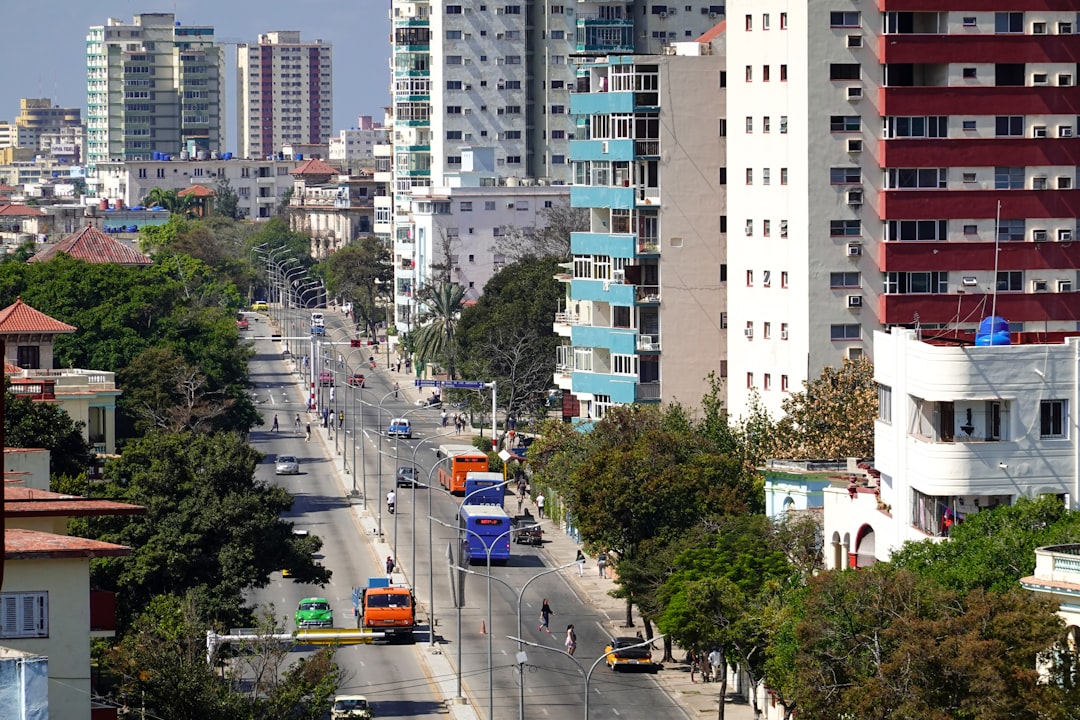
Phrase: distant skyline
(46, 47)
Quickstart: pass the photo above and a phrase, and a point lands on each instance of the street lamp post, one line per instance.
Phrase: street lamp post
(431, 562)
(397, 461)
(581, 668)
(520, 597)
(488, 547)
(379, 432)
(412, 463)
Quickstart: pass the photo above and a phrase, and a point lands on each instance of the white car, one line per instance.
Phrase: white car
(317, 319)
(287, 465)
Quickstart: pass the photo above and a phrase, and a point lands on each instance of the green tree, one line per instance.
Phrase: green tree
(507, 335)
(226, 201)
(362, 274)
(833, 416)
(435, 338)
(29, 424)
(210, 530)
(171, 200)
(883, 643)
(992, 549)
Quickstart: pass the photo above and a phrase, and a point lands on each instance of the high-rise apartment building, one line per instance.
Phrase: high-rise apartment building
(501, 74)
(917, 165)
(645, 313)
(152, 86)
(284, 93)
(38, 116)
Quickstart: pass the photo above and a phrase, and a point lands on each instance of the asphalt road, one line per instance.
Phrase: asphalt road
(392, 676)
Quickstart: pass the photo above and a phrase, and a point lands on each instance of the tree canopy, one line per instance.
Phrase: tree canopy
(833, 416)
(362, 274)
(211, 530)
(29, 424)
(435, 338)
(551, 239)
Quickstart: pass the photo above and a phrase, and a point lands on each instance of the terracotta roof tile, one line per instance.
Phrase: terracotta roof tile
(11, 368)
(314, 166)
(714, 32)
(34, 545)
(27, 501)
(196, 191)
(93, 246)
(14, 210)
(5, 188)
(19, 318)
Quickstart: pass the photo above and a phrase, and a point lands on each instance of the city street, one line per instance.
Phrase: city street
(394, 676)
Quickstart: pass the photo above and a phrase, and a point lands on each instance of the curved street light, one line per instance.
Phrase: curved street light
(397, 461)
(581, 668)
(412, 463)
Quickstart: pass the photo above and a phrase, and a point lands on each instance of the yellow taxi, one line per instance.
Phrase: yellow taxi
(260, 305)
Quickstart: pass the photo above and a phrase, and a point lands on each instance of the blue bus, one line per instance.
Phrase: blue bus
(484, 488)
(489, 527)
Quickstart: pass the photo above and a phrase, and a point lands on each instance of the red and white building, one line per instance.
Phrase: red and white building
(895, 164)
(284, 93)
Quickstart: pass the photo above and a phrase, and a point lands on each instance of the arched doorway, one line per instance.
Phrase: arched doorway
(864, 554)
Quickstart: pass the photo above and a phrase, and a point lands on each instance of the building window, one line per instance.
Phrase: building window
(1009, 125)
(1052, 419)
(783, 176)
(845, 71)
(850, 331)
(768, 381)
(765, 73)
(749, 21)
(766, 230)
(844, 19)
(783, 331)
(749, 73)
(783, 124)
(749, 278)
(916, 283)
(845, 280)
(750, 380)
(749, 124)
(1009, 22)
(916, 230)
(766, 124)
(783, 73)
(845, 123)
(916, 178)
(764, 20)
(970, 73)
(465, 206)
(24, 615)
(1011, 229)
(1010, 281)
(845, 176)
(783, 21)
(845, 228)
(783, 383)
(884, 396)
(749, 176)
(765, 176)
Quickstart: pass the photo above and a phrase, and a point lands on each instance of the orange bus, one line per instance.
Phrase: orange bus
(464, 460)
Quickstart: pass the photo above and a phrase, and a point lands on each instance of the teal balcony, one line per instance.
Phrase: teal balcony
(602, 291)
(620, 388)
(589, 196)
(613, 244)
(601, 103)
(602, 150)
(622, 341)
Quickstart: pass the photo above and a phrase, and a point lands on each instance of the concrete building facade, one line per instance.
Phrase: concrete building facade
(284, 93)
(645, 313)
(153, 85)
(896, 147)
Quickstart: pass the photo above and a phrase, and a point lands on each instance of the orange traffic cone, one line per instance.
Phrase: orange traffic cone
(483, 627)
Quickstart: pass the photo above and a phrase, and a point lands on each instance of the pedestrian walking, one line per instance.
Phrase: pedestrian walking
(459, 423)
(389, 564)
(399, 365)
(340, 419)
(396, 388)
(571, 640)
(580, 560)
(540, 505)
(297, 424)
(275, 426)
(714, 665)
(545, 617)
(444, 416)
(308, 437)
(601, 564)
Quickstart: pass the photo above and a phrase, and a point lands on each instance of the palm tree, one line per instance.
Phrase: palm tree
(170, 200)
(435, 341)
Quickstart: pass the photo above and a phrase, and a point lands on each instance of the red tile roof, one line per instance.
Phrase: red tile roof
(94, 246)
(714, 32)
(196, 191)
(19, 318)
(5, 188)
(314, 166)
(32, 502)
(11, 368)
(35, 545)
(15, 210)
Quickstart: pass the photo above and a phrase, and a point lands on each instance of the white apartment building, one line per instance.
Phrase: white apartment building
(260, 185)
(284, 93)
(457, 230)
(152, 86)
(353, 150)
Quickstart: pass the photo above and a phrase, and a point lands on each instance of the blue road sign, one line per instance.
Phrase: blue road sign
(465, 384)
(456, 384)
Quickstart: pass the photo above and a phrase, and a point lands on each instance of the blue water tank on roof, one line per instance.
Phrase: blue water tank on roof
(993, 330)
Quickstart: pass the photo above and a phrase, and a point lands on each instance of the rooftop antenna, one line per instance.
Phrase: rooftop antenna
(997, 249)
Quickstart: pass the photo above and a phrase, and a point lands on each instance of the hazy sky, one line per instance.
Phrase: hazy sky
(45, 49)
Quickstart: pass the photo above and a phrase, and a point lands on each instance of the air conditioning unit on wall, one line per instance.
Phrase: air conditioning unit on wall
(854, 249)
(854, 301)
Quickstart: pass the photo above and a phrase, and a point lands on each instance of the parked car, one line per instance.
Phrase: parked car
(287, 465)
(621, 656)
(314, 612)
(260, 305)
(326, 378)
(356, 380)
(351, 707)
(399, 427)
(406, 475)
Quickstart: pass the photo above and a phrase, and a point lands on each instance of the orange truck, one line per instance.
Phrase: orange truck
(386, 607)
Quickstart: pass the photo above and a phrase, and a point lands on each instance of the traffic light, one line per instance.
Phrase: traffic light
(356, 343)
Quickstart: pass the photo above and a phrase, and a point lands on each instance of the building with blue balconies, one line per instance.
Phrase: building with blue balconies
(645, 315)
